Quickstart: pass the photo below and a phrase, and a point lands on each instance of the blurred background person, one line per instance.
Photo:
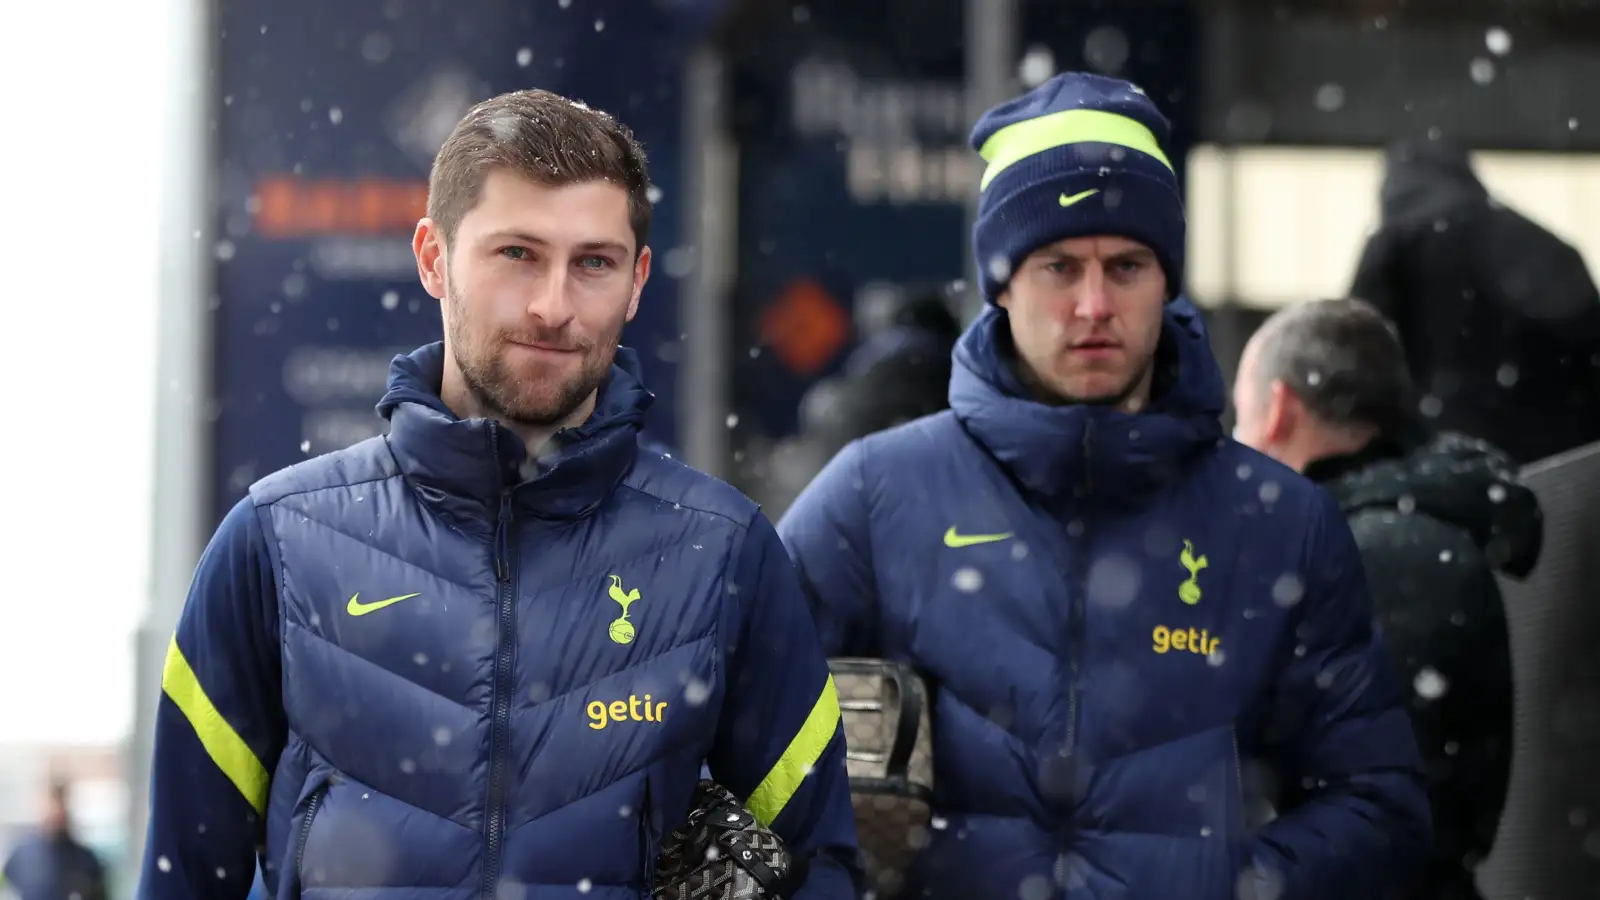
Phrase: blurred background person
(53, 864)
(1499, 318)
(1323, 387)
(899, 371)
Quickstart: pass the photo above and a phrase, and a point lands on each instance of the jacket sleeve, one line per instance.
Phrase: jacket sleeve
(1361, 827)
(219, 724)
(827, 532)
(780, 742)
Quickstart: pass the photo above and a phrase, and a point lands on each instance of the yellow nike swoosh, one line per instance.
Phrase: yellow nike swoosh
(951, 539)
(1068, 201)
(357, 608)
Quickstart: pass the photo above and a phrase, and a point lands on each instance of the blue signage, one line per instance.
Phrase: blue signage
(854, 169)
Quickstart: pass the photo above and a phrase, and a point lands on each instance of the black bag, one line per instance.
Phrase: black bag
(722, 853)
(889, 743)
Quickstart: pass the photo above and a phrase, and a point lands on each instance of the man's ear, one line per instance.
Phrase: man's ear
(641, 274)
(427, 244)
(1004, 300)
(1285, 412)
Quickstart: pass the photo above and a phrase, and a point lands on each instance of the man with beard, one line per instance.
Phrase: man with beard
(1118, 609)
(1323, 387)
(487, 654)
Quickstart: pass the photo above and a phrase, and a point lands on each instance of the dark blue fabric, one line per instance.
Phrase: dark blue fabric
(1138, 196)
(1082, 750)
(467, 740)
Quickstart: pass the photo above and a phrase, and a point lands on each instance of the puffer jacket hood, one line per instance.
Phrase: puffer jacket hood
(1048, 446)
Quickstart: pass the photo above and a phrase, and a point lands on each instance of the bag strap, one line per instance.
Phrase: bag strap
(907, 714)
(909, 689)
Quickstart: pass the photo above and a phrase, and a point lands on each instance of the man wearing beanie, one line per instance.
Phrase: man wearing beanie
(1153, 664)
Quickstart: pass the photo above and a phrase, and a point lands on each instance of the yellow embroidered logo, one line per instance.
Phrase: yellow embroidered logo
(621, 629)
(633, 709)
(1189, 590)
(956, 540)
(356, 608)
(1195, 640)
(1066, 201)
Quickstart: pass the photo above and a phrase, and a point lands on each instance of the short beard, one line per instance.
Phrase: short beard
(518, 400)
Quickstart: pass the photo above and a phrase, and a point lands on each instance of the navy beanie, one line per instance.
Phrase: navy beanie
(1079, 155)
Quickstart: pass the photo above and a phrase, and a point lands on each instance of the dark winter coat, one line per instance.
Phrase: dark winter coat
(1120, 615)
(1433, 525)
(1499, 317)
(576, 637)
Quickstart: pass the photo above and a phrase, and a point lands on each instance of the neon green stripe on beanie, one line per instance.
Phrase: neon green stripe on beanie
(1014, 143)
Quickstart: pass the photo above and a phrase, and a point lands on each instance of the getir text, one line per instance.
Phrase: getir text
(633, 709)
(1195, 640)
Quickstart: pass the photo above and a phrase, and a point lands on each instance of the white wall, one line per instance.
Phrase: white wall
(1301, 215)
(79, 141)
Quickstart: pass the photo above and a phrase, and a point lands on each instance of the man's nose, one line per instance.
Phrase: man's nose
(1091, 299)
(550, 301)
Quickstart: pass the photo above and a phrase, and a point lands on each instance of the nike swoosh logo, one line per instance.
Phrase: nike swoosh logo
(1068, 201)
(952, 539)
(357, 608)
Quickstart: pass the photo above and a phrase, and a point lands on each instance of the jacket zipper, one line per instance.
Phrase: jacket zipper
(1075, 612)
(495, 821)
(305, 835)
(1238, 783)
(1238, 766)
(646, 843)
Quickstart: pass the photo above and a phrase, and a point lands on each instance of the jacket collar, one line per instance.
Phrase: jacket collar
(1052, 450)
(468, 465)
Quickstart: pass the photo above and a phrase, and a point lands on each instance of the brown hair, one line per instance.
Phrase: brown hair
(544, 137)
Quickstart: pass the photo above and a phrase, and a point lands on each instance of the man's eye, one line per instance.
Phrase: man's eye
(517, 253)
(595, 263)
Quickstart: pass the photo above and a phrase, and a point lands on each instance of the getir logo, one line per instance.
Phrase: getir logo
(633, 709)
(1195, 640)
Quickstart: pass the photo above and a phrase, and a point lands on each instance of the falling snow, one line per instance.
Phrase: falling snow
(1498, 41)
(967, 580)
(1287, 590)
(1429, 684)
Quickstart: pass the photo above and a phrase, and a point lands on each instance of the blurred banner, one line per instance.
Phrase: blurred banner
(330, 115)
(851, 121)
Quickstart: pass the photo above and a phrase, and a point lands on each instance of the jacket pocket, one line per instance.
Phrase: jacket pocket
(313, 805)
